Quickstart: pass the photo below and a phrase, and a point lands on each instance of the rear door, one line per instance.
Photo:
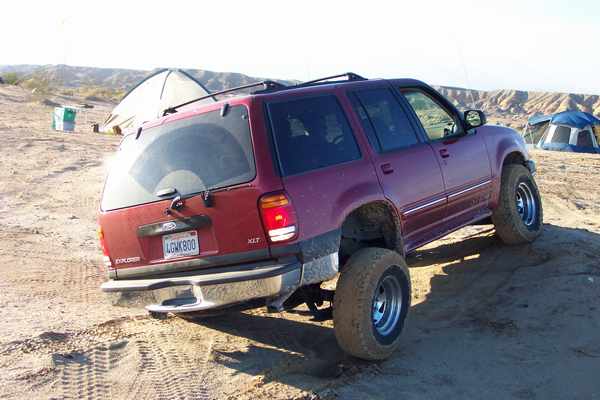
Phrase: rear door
(406, 166)
(463, 157)
(323, 168)
(207, 156)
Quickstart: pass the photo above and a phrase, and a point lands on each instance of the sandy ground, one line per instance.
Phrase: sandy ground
(488, 321)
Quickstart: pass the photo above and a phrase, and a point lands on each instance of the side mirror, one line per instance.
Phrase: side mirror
(474, 119)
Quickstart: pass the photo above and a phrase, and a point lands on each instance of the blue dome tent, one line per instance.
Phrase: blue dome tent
(573, 131)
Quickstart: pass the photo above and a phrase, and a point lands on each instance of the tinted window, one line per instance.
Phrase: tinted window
(381, 114)
(584, 139)
(203, 152)
(436, 120)
(561, 135)
(311, 133)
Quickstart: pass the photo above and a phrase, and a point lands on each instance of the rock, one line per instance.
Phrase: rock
(49, 103)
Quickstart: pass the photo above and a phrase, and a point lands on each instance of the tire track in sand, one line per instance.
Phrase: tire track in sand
(166, 366)
(85, 375)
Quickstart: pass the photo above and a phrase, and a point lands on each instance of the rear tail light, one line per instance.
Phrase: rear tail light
(102, 241)
(279, 217)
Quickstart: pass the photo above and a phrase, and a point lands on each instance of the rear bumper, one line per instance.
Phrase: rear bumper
(221, 287)
(209, 290)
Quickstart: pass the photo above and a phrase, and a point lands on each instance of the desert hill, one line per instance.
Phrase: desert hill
(521, 102)
(118, 78)
(511, 107)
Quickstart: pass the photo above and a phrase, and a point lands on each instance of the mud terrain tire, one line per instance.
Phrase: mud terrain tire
(519, 215)
(358, 303)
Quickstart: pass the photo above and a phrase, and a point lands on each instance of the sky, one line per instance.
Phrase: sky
(530, 45)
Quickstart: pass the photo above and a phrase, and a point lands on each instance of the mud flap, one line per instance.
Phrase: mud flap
(315, 271)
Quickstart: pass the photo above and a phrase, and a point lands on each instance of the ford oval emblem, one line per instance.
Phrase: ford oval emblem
(168, 226)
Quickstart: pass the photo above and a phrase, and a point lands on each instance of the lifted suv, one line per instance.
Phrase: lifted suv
(267, 195)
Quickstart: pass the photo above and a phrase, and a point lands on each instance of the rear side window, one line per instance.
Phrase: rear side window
(203, 152)
(311, 133)
(561, 135)
(381, 114)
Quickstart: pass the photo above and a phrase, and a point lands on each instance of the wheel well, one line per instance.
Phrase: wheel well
(373, 224)
(514, 158)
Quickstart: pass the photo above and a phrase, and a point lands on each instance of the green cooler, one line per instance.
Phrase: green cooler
(63, 119)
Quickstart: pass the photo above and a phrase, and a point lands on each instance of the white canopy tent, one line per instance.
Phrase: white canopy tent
(147, 101)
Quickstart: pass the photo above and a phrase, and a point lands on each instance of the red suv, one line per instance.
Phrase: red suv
(264, 196)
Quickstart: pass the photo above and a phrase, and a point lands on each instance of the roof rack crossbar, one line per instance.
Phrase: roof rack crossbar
(351, 76)
(268, 84)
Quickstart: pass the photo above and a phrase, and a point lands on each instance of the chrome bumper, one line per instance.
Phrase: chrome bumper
(210, 290)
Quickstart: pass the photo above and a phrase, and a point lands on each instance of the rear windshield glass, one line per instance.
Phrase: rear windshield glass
(192, 155)
(311, 133)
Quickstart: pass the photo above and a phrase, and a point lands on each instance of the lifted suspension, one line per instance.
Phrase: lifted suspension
(314, 297)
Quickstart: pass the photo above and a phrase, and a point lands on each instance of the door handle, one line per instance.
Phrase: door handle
(387, 168)
(444, 153)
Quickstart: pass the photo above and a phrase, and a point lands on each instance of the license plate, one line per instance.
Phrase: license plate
(181, 244)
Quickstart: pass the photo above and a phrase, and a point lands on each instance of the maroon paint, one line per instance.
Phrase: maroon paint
(406, 179)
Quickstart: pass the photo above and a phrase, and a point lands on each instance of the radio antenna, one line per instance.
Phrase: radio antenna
(465, 72)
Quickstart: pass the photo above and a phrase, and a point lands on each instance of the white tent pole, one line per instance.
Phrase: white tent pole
(526, 131)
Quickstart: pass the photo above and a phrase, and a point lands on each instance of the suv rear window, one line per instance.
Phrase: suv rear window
(311, 133)
(191, 155)
(380, 112)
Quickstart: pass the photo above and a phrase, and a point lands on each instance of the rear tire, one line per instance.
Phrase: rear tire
(519, 215)
(371, 303)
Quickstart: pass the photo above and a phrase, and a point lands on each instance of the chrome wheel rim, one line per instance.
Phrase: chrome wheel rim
(526, 204)
(387, 305)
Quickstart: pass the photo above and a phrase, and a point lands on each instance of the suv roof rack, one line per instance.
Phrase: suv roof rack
(351, 76)
(268, 84)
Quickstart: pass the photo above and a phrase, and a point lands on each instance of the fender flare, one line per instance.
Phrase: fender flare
(398, 246)
(505, 147)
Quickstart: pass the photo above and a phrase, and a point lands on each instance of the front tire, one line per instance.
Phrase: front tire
(371, 302)
(519, 215)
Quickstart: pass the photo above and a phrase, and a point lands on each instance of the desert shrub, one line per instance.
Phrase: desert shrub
(41, 86)
(93, 98)
(97, 93)
(10, 78)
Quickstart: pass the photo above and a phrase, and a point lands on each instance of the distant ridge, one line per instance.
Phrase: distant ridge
(497, 102)
(119, 78)
(520, 101)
